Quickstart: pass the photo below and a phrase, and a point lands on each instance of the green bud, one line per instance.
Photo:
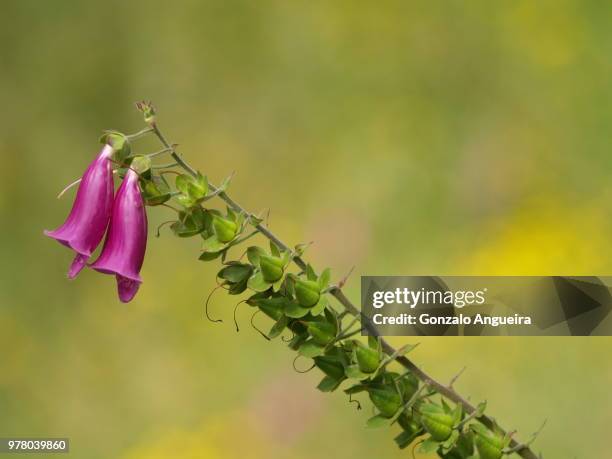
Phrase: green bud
(488, 444)
(436, 422)
(307, 292)
(367, 358)
(148, 111)
(271, 268)
(225, 229)
(322, 332)
(386, 399)
(120, 144)
(141, 164)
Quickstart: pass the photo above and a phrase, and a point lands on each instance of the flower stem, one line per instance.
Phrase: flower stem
(523, 450)
(139, 134)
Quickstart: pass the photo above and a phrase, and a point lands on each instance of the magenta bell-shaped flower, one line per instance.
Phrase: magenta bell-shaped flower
(85, 226)
(126, 240)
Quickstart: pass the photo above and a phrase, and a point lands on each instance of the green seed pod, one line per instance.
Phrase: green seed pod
(225, 229)
(386, 399)
(322, 332)
(489, 445)
(436, 422)
(271, 268)
(367, 358)
(307, 292)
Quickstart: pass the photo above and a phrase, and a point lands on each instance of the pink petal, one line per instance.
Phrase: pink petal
(127, 288)
(77, 265)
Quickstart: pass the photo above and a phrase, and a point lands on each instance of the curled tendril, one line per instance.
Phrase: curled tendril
(414, 448)
(235, 310)
(161, 225)
(170, 207)
(206, 305)
(287, 339)
(352, 400)
(255, 327)
(298, 370)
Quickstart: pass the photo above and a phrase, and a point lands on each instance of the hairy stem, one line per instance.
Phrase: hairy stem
(447, 391)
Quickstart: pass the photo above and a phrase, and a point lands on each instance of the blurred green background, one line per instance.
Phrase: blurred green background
(420, 137)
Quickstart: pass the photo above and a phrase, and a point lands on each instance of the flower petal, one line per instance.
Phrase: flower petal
(77, 265)
(127, 288)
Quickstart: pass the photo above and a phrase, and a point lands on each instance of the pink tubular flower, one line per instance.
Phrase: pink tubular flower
(126, 241)
(85, 226)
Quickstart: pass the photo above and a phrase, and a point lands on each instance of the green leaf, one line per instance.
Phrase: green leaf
(226, 182)
(357, 388)
(324, 278)
(238, 287)
(376, 422)
(182, 183)
(322, 332)
(274, 250)
(429, 446)
(276, 286)
(190, 223)
(155, 191)
(185, 201)
(295, 311)
(330, 366)
(257, 283)
(272, 307)
(231, 214)
(310, 349)
(406, 438)
(328, 384)
(297, 341)
(235, 272)
(209, 256)
(457, 414)
(310, 274)
(278, 327)
(353, 371)
(253, 254)
(480, 409)
(212, 244)
(199, 187)
(318, 308)
(192, 188)
(446, 407)
(451, 441)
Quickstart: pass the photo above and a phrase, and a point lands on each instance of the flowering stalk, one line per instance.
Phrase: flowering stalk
(429, 413)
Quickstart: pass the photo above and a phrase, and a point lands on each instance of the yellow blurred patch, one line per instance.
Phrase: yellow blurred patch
(544, 238)
(231, 435)
(549, 34)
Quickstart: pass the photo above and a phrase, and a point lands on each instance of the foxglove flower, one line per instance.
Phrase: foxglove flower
(85, 226)
(126, 241)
